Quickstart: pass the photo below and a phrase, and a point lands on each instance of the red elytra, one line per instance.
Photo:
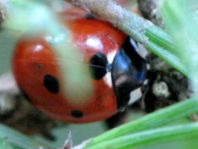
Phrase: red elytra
(35, 66)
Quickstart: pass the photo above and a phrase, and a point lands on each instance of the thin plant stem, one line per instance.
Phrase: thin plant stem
(143, 31)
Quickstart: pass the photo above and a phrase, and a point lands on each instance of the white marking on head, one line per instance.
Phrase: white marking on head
(111, 56)
(140, 49)
(107, 77)
(135, 95)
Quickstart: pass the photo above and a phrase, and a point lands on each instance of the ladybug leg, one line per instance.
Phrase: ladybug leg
(116, 120)
(48, 135)
(149, 99)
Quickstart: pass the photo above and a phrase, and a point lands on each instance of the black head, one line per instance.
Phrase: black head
(128, 72)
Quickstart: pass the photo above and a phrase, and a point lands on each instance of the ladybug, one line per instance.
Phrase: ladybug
(115, 66)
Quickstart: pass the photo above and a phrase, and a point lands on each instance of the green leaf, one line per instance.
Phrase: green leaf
(178, 134)
(153, 120)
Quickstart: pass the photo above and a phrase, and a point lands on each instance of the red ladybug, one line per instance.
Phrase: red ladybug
(35, 67)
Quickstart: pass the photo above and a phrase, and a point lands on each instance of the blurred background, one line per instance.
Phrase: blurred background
(7, 42)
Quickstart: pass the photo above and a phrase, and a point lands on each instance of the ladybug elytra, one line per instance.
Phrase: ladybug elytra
(116, 70)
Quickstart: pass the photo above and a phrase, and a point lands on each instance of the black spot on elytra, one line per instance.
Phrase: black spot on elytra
(98, 65)
(77, 114)
(51, 84)
(116, 119)
(90, 16)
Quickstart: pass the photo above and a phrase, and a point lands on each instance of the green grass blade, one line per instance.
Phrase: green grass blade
(153, 120)
(179, 134)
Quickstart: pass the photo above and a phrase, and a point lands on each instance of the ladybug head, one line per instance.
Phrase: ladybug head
(128, 71)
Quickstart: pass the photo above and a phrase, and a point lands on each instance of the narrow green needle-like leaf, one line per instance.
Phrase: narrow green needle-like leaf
(179, 134)
(153, 120)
